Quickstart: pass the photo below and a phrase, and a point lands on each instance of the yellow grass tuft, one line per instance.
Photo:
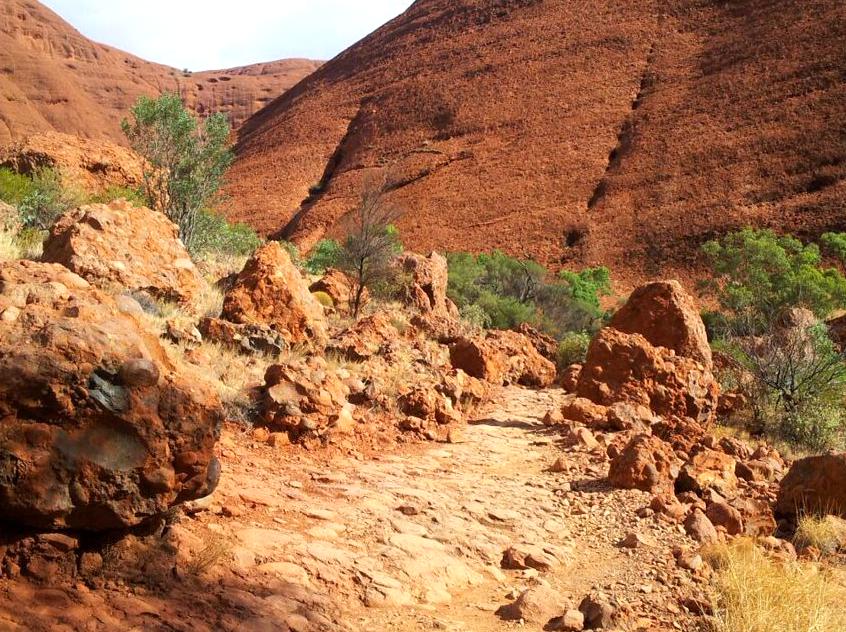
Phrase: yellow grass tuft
(827, 534)
(756, 593)
(9, 249)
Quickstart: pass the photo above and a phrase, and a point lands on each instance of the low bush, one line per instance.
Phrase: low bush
(14, 187)
(573, 349)
(326, 254)
(134, 195)
(213, 234)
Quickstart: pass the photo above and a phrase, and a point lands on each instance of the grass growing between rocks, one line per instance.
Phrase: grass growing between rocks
(756, 593)
(827, 534)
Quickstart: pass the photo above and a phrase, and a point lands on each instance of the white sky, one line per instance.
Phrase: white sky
(216, 34)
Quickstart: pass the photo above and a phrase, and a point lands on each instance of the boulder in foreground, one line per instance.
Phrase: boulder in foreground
(502, 357)
(98, 430)
(816, 485)
(125, 245)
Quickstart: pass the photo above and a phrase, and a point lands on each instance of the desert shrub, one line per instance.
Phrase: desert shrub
(14, 187)
(834, 244)
(755, 593)
(135, 195)
(475, 316)
(573, 349)
(185, 160)
(324, 299)
(47, 200)
(511, 291)
(326, 254)
(9, 248)
(212, 233)
(757, 274)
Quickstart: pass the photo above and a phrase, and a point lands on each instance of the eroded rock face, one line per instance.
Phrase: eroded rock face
(626, 367)
(666, 315)
(547, 346)
(270, 291)
(502, 357)
(646, 463)
(98, 430)
(429, 277)
(816, 484)
(121, 244)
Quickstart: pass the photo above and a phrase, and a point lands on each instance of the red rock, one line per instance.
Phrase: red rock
(584, 411)
(428, 280)
(667, 316)
(270, 291)
(625, 416)
(99, 429)
(815, 484)
(624, 367)
(708, 469)
(646, 463)
(547, 346)
(668, 505)
(721, 514)
(700, 528)
(502, 357)
(757, 513)
(121, 244)
(366, 338)
(338, 286)
(247, 339)
(537, 605)
(570, 377)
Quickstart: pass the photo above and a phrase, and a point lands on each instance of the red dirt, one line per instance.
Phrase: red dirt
(52, 78)
(577, 132)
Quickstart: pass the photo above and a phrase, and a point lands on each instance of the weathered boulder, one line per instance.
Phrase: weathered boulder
(816, 485)
(338, 286)
(570, 377)
(646, 463)
(708, 469)
(537, 605)
(270, 291)
(547, 346)
(304, 396)
(427, 283)
(246, 339)
(667, 316)
(502, 357)
(366, 338)
(98, 429)
(626, 367)
(125, 245)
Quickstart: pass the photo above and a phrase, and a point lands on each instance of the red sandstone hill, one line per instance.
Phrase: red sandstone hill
(52, 78)
(576, 131)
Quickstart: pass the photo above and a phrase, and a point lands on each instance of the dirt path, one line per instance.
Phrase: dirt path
(409, 541)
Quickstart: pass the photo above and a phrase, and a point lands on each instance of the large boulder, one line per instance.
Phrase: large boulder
(98, 429)
(667, 316)
(816, 485)
(502, 357)
(338, 286)
(128, 246)
(546, 345)
(427, 283)
(646, 463)
(627, 367)
(270, 291)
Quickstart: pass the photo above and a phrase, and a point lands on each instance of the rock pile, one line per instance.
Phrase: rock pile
(98, 429)
(122, 245)
(502, 357)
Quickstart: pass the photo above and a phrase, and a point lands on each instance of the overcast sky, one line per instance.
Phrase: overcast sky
(216, 34)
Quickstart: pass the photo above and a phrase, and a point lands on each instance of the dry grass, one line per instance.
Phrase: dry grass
(827, 534)
(209, 556)
(9, 248)
(755, 593)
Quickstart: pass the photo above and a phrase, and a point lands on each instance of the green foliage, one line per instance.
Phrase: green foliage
(835, 245)
(758, 274)
(326, 254)
(573, 349)
(512, 291)
(475, 316)
(14, 187)
(134, 195)
(213, 234)
(186, 160)
(46, 200)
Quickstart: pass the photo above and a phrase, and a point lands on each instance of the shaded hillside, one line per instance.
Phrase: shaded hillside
(576, 132)
(52, 78)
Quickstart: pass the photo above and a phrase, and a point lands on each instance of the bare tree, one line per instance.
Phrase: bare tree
(372, 241)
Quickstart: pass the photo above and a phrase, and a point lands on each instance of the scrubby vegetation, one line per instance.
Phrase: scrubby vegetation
(499, 291)
(754, 593)
(791, 373)
(186, 160)
(326, 254)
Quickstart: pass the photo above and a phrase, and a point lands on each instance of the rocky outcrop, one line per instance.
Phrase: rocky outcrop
(547, 346)
(366, 338)
(127, 246)
(338, 286)
(816, 485)
(626, 367)
(666, 315)
(646, 463)
(98, 428)
(427, 284)
(246, 339)
(271, 292)
(502, 357)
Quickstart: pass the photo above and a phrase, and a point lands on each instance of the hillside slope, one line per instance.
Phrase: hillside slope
(52, 78)
(577, 132)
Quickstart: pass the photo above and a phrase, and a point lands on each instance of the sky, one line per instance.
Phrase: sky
(217, 34)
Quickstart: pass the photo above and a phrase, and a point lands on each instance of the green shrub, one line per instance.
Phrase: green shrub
(134, 195)
(326, 254)
(14, 187)
(47, 200)
(758, 274)
(324, 299)
(475, 316)
(213, 234)
(573, 349)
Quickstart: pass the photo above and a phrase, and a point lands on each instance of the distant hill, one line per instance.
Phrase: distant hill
(52, 78)
(577, 132)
